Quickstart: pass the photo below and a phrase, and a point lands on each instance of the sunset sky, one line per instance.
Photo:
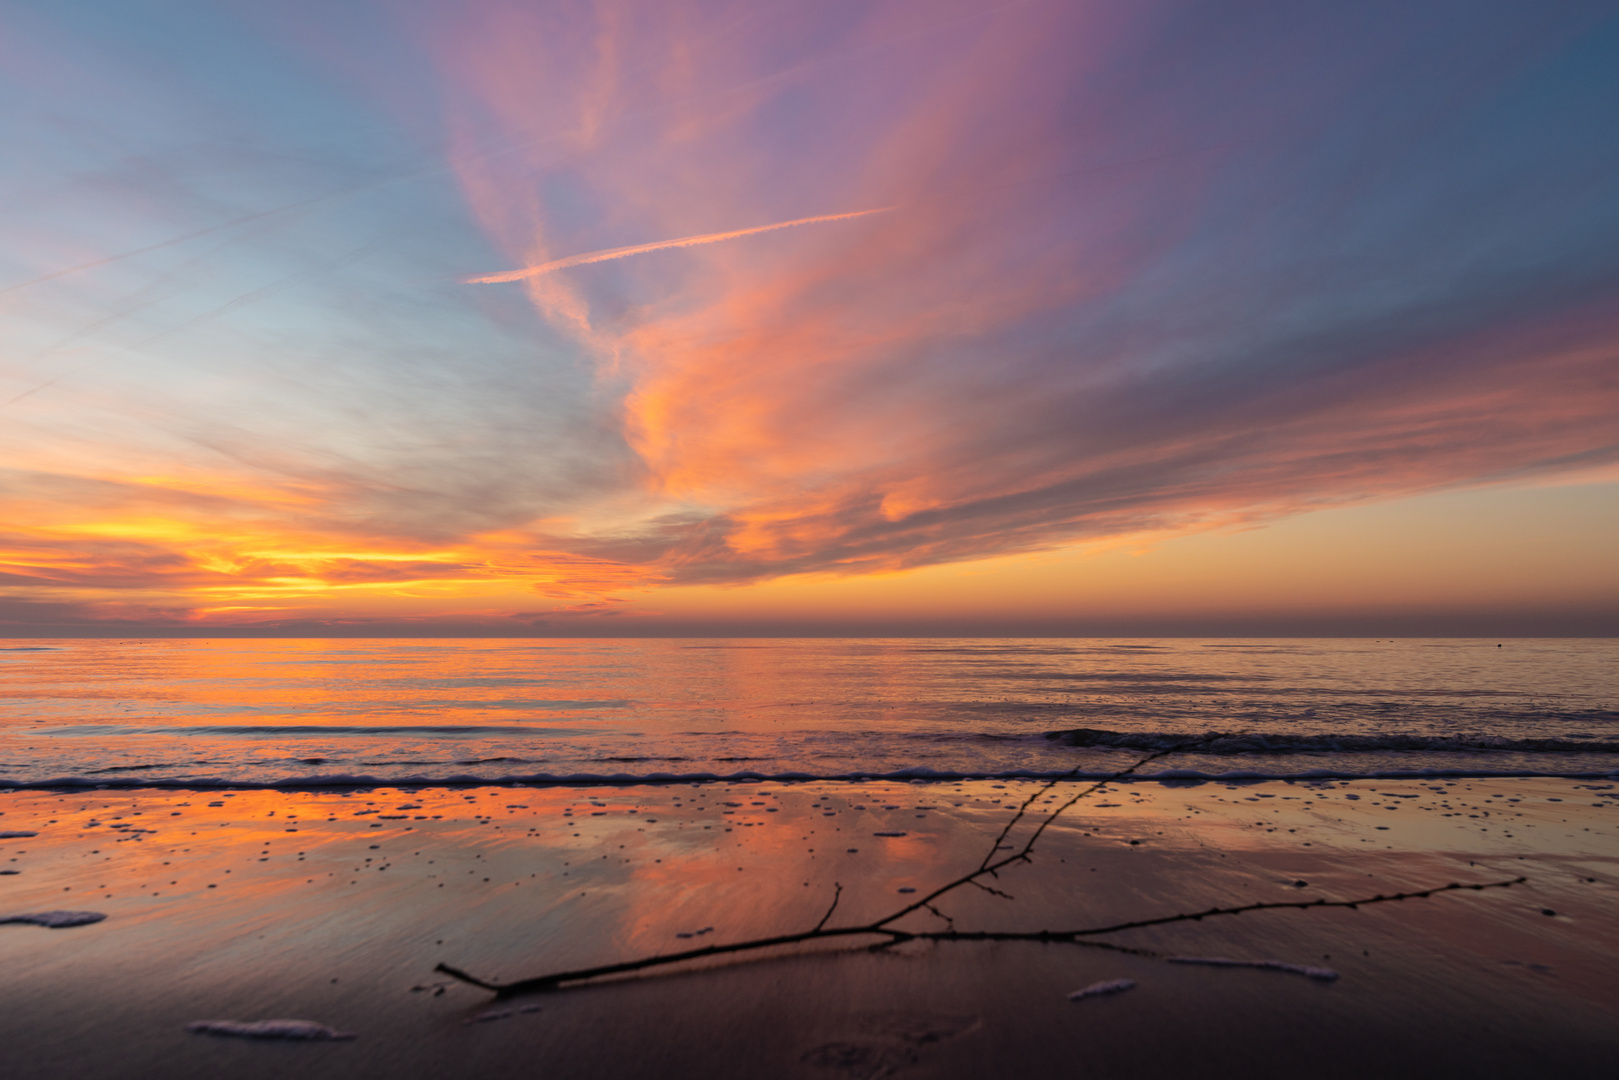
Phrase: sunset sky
(899, 316)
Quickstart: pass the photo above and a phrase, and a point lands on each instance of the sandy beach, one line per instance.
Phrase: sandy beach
(586, 540)
(335, 907)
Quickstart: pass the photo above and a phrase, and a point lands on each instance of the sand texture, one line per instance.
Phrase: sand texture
(332, 909)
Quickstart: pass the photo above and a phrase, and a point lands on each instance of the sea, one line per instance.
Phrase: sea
(313, 713)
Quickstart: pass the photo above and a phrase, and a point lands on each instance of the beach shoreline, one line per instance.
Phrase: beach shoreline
(334, 907)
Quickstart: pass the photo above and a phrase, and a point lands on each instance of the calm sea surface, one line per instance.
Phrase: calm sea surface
(312, 712)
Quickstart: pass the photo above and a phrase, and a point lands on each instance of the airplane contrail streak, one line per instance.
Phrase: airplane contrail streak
(638, 249)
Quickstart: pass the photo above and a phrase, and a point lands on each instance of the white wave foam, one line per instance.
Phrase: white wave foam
(919, 774)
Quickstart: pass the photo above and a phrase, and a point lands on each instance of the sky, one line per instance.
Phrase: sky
(448, 317)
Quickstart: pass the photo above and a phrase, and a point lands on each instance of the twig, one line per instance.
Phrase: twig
(992, 890)
(835, 897)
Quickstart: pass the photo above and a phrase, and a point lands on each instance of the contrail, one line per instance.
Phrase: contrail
(637, 249)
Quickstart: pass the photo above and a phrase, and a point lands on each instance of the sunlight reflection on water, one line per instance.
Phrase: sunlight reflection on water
(263, 711)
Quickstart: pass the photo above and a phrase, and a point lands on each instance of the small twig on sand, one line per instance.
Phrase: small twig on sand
(989, 866)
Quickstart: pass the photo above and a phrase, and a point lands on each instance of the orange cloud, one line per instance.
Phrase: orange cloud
(1032, 355)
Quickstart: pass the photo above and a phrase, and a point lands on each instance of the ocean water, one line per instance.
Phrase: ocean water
(313, 712)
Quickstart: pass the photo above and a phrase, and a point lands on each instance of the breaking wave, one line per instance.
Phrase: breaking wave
(915, 774)
(1287, 743)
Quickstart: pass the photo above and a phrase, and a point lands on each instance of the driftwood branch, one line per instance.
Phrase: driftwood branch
(989, 866)
(892, 936)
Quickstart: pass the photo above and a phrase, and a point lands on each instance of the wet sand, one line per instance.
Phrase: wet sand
(334, 907)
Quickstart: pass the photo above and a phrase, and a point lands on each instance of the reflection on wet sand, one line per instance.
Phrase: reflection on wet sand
(334, 905)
